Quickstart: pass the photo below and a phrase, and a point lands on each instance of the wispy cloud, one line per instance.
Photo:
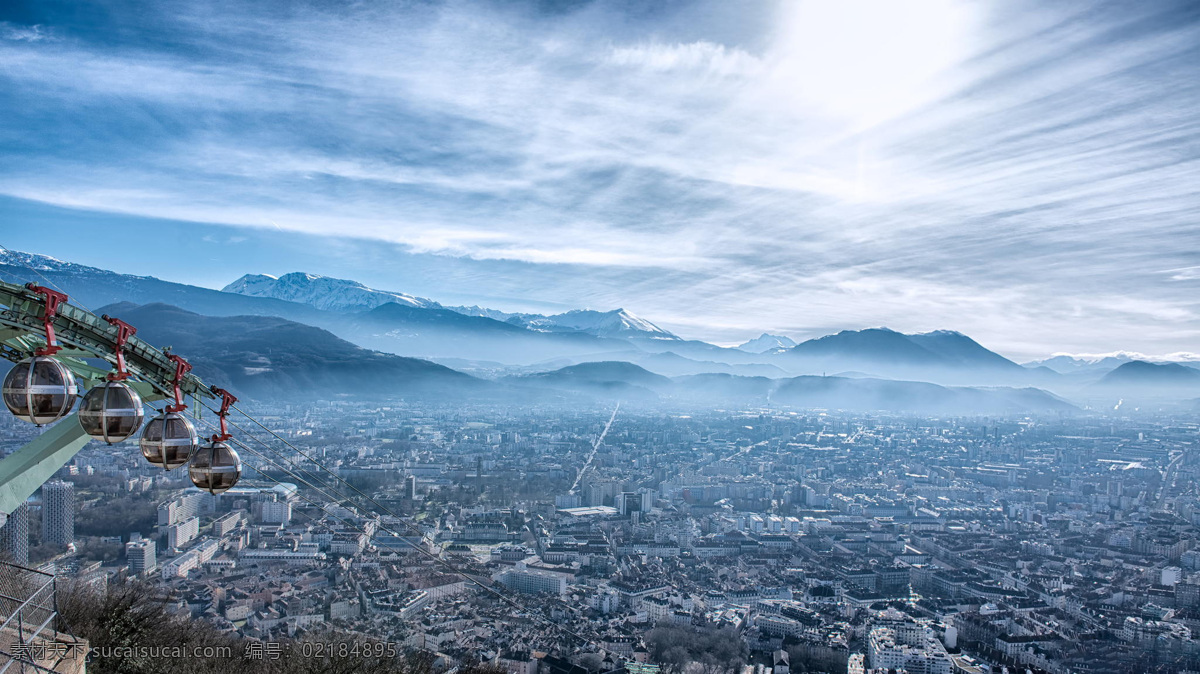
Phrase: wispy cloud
(1016, 171)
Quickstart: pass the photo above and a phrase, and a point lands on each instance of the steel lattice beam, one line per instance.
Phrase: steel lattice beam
(82, 335)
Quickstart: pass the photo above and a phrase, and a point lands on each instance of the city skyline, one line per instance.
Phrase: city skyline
(1014, 172)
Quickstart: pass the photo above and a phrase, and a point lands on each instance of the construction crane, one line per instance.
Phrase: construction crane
(49, 340)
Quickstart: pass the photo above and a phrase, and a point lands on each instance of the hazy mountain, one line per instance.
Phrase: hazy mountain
(724, 389)
(873, 345)
(943, 356)
(344, 295)
(413, 331)
(625, 380)
(270, 356)
(960, 349)
(672, 364)
(912, 397)
(1064, 364)
(704, 352)
(442, 333)
(767, 342)
(322, 292)
(494, 314)
(609, 379)
(1157, 379)
(615, 323)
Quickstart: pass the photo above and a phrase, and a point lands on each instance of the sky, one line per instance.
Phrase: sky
(1026, 173)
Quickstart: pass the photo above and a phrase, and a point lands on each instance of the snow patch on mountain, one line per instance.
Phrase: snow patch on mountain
(615, 323)
(767, 342)
(323, 292)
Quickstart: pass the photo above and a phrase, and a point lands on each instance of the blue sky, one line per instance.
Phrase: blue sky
(1023, 172)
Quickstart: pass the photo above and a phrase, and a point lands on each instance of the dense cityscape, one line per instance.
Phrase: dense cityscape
(830, 541)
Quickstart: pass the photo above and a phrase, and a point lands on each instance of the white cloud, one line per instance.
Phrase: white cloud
(1011, 171)
(36, 33)
(706, 57)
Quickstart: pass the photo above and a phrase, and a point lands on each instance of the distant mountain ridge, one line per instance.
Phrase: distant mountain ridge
(333, 294)
(1139, 373)
(942, 356)
(628, 381)
(271, 356)
(615, 323)
(1069, 364)
(417, 327)
(322, 292)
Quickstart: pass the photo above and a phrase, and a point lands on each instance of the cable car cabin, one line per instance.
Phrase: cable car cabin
(215, 468)
(40, 390)
(111, 412)
(169, 440)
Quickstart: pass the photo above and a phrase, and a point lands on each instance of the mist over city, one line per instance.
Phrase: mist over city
(600, 337)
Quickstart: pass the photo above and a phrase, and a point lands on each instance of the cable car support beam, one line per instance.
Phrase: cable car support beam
(81, 335)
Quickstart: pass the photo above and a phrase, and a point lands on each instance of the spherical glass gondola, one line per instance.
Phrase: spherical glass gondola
(215, 468)
(111, 412)
(169, 440)
(40, 390)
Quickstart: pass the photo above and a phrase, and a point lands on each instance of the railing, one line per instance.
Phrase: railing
(29, 640)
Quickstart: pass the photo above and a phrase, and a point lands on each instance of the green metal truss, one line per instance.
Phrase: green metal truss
(83, 335)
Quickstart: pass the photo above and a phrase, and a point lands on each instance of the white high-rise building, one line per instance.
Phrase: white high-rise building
(14, 536)
(179, 535)
(226, 523)
(277, 512)
(58, 512)
(141, 556)
(185, 506)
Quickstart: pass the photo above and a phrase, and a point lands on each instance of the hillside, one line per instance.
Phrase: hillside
(271, 356)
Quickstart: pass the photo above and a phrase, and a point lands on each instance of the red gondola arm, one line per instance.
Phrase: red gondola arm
(182, 367)
(53, 299)
(227, 400)
(124, 332)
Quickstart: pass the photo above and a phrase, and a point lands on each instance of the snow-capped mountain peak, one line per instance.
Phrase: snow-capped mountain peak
(767, 342)
(615, 323)
(322, 292)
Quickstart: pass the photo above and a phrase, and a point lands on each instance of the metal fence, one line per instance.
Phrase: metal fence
(29, 641)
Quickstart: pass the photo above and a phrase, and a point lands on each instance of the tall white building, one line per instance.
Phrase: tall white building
(276, 512)
(179, 535)
(58, 512)
(185, 506)
(908, 646)
(14, 536)
(141, 556)
(226, 523)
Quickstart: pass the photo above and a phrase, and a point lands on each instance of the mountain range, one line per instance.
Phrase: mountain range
(535, 351)
(267, 356)
(343, 295)
(625, 381)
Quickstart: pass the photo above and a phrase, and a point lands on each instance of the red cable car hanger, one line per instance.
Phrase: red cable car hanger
(124, 332)
(182, 367)
(227, 400)
(53, 299)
